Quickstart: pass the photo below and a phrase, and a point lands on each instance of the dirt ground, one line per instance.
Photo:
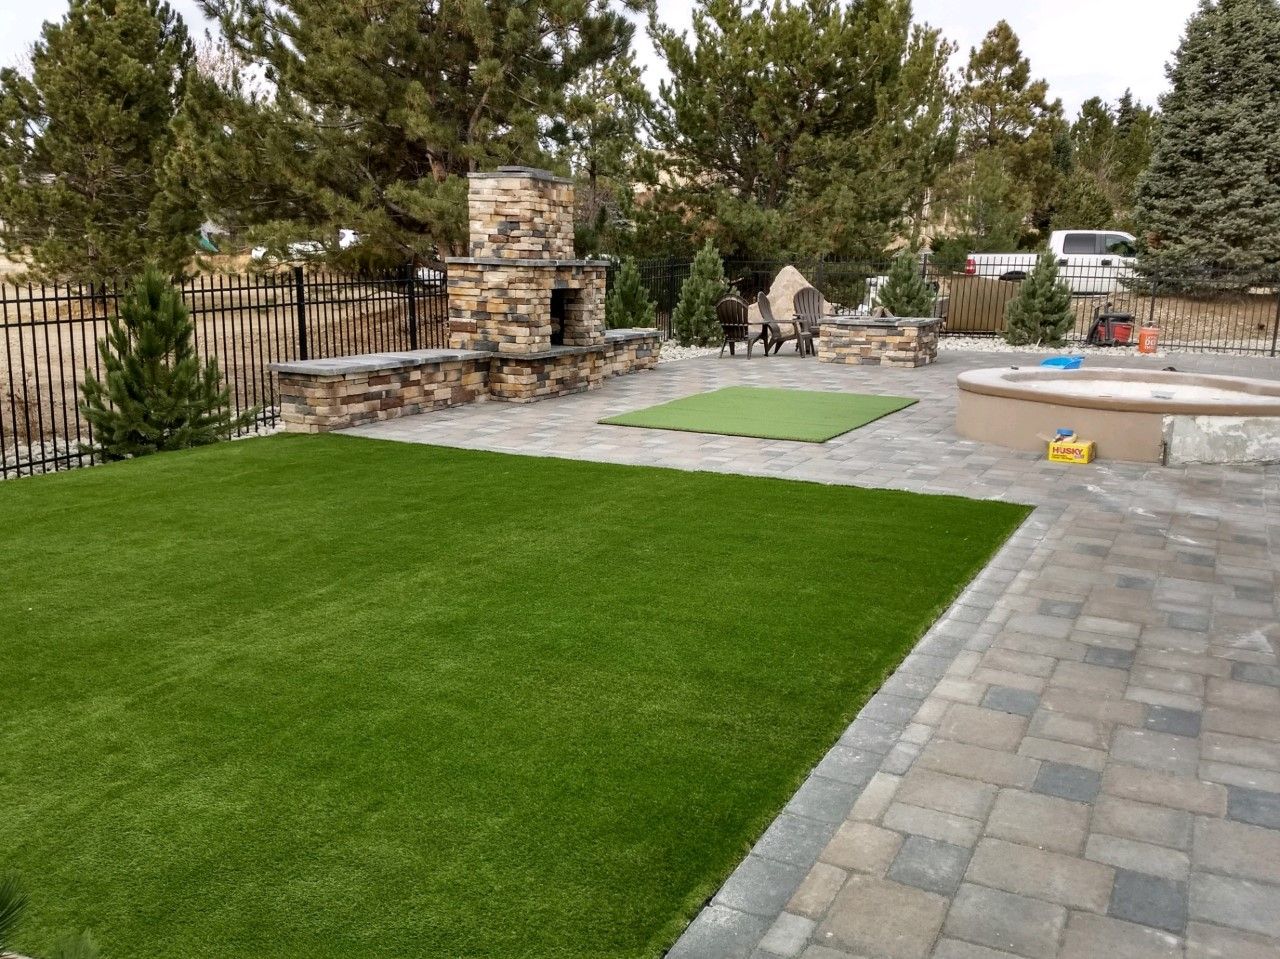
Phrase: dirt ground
(46, 348)
(1226, 321)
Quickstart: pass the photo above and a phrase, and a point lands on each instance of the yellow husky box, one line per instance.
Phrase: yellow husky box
(1069, 449)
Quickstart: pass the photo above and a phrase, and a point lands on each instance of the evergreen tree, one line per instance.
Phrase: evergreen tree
(1081, 202)
(1110, 148)
(989, 207)
(1040, 315)
(84, 140)
(905, 292)
(1211, 196)
(377, 111)
(694, 320)
(603, 112)
(628, 305)
(156, 397)
(1002, 112)
(812, 127)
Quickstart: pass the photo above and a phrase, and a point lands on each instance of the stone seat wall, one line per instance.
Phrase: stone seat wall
(317, 396)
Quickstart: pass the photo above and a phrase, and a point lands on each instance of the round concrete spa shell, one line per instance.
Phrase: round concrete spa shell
(1137, 415)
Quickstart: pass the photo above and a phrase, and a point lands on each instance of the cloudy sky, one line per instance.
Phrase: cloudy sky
(1082, 47)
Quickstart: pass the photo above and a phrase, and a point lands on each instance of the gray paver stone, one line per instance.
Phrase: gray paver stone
(1068, 782)
(1237, 849)
(760, 886)
(788, 935)
(818, 889)
(884, 919)
(828, 800)
(1106, 656)
(1238, 903)
(919, 821)
(1044, 821)
(1254, 806)
(1149, 901)
(1179, 722)
(1138, 856)
(1213, 942)
(719, 933)
(1010, 700)
(950, 794)
(1007, 922)
(1114, 816)
(1054, 877)
(862, 847)
(1099, 937)
(930, 865)
(794, 839)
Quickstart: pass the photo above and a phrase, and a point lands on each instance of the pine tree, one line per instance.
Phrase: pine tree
(988, 204)
(694, 320)
(84, 141)
(812, 127)
(905, 292)
(1081, 203)
(1211, 197)
(628, 305)
(1004, 113)
(376, 112)
(156, 397)
(1040, 315)
(603, 112)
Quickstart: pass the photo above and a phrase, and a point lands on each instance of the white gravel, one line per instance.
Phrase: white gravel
(672, 351)
(994, 344)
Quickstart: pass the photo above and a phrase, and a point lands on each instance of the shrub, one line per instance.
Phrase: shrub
(906, 292)
(156, 396)
(13, 901)
(1040, 314)
(694, 320)
(629, 305)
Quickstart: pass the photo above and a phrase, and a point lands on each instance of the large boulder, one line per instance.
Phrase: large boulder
(782, 294)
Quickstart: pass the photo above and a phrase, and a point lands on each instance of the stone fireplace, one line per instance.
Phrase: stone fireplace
(521, 293)
(526, 321)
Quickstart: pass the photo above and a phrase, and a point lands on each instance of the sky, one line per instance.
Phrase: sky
(1083, 48)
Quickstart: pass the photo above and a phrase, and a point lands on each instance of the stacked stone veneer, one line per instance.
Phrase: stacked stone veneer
(501, 296)
(504, 341)
(317, 396)
(878, 341)
(520, 213)
(321, 395)
(505, 305)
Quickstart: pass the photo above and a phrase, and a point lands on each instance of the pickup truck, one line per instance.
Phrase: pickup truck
(1089, 261)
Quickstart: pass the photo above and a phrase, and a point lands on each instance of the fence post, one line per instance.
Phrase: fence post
(1151, 316)
(1275, 327)
(411, 290)
(300, 304)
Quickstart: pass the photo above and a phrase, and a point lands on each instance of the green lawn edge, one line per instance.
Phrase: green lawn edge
(693, 900)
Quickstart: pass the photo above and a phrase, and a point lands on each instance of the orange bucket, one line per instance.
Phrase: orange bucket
(1148, 339)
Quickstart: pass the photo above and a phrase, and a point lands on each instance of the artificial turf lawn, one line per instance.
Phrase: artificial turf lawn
(772, 414)
(311, 697)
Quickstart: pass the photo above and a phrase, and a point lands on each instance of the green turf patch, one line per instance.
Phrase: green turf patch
(771, 414)
(322, 697)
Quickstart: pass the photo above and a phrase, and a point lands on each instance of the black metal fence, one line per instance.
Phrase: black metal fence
(1212, 311)
(49, 335)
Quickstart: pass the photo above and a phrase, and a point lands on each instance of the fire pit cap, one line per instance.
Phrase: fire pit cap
(528, 172)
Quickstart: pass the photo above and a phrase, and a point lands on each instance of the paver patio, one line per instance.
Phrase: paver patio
(1081, 758)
